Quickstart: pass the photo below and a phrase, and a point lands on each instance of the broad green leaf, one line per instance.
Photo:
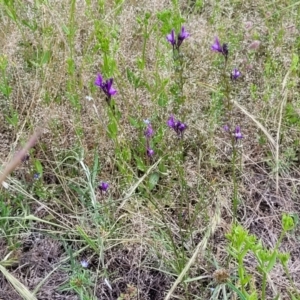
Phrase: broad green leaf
(153, 180)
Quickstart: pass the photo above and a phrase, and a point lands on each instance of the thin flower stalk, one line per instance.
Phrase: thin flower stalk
(148, 133)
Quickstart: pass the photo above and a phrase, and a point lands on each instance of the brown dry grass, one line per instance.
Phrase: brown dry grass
(135, 258)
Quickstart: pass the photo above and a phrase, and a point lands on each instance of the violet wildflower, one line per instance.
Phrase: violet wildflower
(182, 35)
(171, 38)
(235, 74)
(178, 126)
(181, 127)
(149, 131)
(150, 152)
(106, 86)
(237, 133)
(36, 176)
(103, 186)
(99, 80)
(171, 122)
(226, 128)
(217, 47)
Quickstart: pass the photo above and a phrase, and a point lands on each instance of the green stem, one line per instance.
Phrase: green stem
(263, 287)
(241, 273)
(235, 185)
(290, 278)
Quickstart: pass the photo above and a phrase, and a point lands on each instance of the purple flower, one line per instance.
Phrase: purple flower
(99, 80)
(149, 131)
(36, 176)
(171, 38)
(182, 36)
(171, 122)
(178, 126)
(235, 74)
(181, 127)
(106, 86)
(103, 186)
(226, 128)
(108, 89)
(150, 152)
(217, 47)
(237, 133)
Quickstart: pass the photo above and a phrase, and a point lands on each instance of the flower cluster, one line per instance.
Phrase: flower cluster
(105, 86)
(223, 49)
(182, 35)
(149, 132)
(178, 126)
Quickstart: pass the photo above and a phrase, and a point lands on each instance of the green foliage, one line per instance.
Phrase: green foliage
(292, 114)
(13, 118)
(287, 222)
(170, 19)
(134, 78)
(5, 88)
(243, 243)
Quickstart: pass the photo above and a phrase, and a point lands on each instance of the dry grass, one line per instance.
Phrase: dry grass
(125, 234)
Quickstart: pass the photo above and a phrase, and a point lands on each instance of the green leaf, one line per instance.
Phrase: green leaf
(46, 57)
(88, 240)
(14, 119)
(133, 78)
(112, 129)
(134, 122)
(272, 262)
(126, 154)
(95, 168)
(140, 164)
(38, 167)
(66, 30)
(295, 62)
(153, 180)
(287, 222)
(162, 100)
(6, 90)
(235, 289)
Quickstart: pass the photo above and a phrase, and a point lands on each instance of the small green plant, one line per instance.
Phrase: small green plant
(81, 280)
(242, 243)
